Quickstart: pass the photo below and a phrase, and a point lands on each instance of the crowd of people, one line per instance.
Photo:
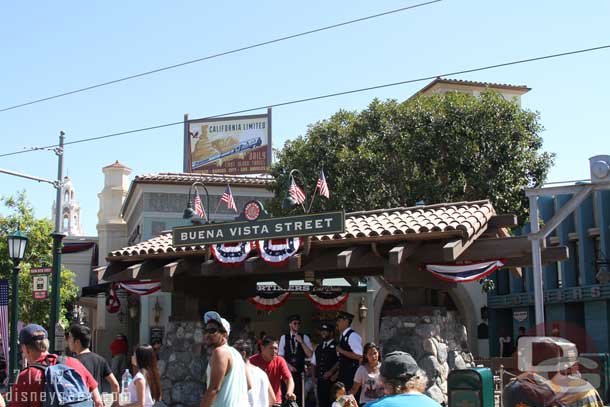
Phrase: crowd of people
(346, 373)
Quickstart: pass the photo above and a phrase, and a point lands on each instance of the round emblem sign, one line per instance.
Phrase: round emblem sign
(252, 210)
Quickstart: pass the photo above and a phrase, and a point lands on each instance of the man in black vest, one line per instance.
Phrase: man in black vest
(295, 348)
(325, 363)
(349, 349)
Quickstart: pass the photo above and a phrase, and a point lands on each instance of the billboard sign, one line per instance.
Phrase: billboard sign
(228, 145)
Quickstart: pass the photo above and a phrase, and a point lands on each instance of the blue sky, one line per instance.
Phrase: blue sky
(54, 47)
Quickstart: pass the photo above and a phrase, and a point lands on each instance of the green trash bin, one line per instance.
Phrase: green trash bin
(596, 373)
(472, 387)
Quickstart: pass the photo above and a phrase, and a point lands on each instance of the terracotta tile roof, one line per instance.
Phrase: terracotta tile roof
(466, 217)
(117, 164)
(474, 83)
(182, 178)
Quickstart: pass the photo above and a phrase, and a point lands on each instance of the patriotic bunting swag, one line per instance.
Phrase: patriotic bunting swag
(328, 301)
(277, 251)
(113, 305)
(141, 287)
(231, 254)
(269, 301)
(464, 273)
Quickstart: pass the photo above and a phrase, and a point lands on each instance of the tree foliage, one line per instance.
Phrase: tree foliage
(39, 254)
(440, 148)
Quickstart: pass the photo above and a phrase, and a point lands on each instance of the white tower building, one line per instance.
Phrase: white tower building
(70, 212)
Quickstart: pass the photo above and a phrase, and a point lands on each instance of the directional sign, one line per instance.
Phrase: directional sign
(40, 282)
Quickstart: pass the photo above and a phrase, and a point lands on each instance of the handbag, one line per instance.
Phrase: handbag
(290, 403)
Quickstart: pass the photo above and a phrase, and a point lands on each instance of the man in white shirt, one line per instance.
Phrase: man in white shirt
(261, 393)
(295, 348)
(349, 349)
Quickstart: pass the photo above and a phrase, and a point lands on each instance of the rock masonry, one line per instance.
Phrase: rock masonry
(438, 342)
(182, 365)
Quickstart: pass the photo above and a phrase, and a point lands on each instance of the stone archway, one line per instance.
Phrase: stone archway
(462, 298)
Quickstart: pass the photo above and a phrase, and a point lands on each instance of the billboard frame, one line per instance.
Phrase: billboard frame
(187, 162)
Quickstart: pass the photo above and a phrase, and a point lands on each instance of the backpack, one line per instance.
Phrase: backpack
(63, 385)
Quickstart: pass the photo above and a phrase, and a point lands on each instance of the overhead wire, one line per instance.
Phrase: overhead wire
(329, 95)
(220, 54)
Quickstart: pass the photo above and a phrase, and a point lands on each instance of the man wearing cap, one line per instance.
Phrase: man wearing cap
(403, 382)
(227, 378)
(349, 349)
(325, 364)
(295, 348)
(29, 388)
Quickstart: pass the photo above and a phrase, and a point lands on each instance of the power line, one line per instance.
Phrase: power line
(221, 54)
(329, 95)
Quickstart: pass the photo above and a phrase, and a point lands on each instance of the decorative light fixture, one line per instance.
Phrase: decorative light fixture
(362, 310)
(289, 202)
(158, 309)
(189, 212)
(133, 307)
(17, 244)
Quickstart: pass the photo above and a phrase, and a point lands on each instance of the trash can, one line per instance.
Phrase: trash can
(595, 368)
(472, 387)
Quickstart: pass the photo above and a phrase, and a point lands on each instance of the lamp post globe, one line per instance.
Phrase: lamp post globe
(17, 245)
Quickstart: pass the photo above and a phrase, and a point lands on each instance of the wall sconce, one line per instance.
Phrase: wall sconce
(133, 307)
(158, 309)
(362, 310)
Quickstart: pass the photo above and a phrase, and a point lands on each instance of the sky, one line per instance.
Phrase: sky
(54, 47)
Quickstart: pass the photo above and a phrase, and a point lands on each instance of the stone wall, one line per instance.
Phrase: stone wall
(439, 343)
(182, 365)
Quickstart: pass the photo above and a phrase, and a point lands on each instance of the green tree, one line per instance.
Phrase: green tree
(441, 148)
(39, 253)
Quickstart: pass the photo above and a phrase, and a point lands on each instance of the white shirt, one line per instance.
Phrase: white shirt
(258, 396)
(282, 343)
(324, 344)
(133, 396)
(354, 341)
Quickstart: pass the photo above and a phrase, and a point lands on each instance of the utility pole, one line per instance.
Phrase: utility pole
(57, 238)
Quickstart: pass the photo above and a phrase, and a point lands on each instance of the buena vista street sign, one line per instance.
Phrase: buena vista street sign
(255, 224)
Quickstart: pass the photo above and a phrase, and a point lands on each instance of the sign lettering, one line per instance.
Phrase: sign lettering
(262, 229)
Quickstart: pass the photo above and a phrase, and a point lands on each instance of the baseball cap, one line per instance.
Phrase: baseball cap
(31, 333)
(397, 365)
(326, 327)
(215, 316)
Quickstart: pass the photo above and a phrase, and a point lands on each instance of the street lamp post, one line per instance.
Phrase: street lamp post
(189, 212)
(17, 244)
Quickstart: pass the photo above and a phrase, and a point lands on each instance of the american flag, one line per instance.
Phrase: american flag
(227, 197)
(296, 193)
(199, 207)
(4, 319)
(323, 186)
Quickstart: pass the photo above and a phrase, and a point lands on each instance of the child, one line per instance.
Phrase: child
(341, 399)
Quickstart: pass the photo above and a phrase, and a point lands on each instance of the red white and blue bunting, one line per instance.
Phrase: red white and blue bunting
(277, 251)
(328, 300)
(464, 273)
(141, 287)
(231, 254)
(269, 301)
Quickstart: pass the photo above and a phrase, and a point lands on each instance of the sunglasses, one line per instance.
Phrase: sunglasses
(211, 331)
